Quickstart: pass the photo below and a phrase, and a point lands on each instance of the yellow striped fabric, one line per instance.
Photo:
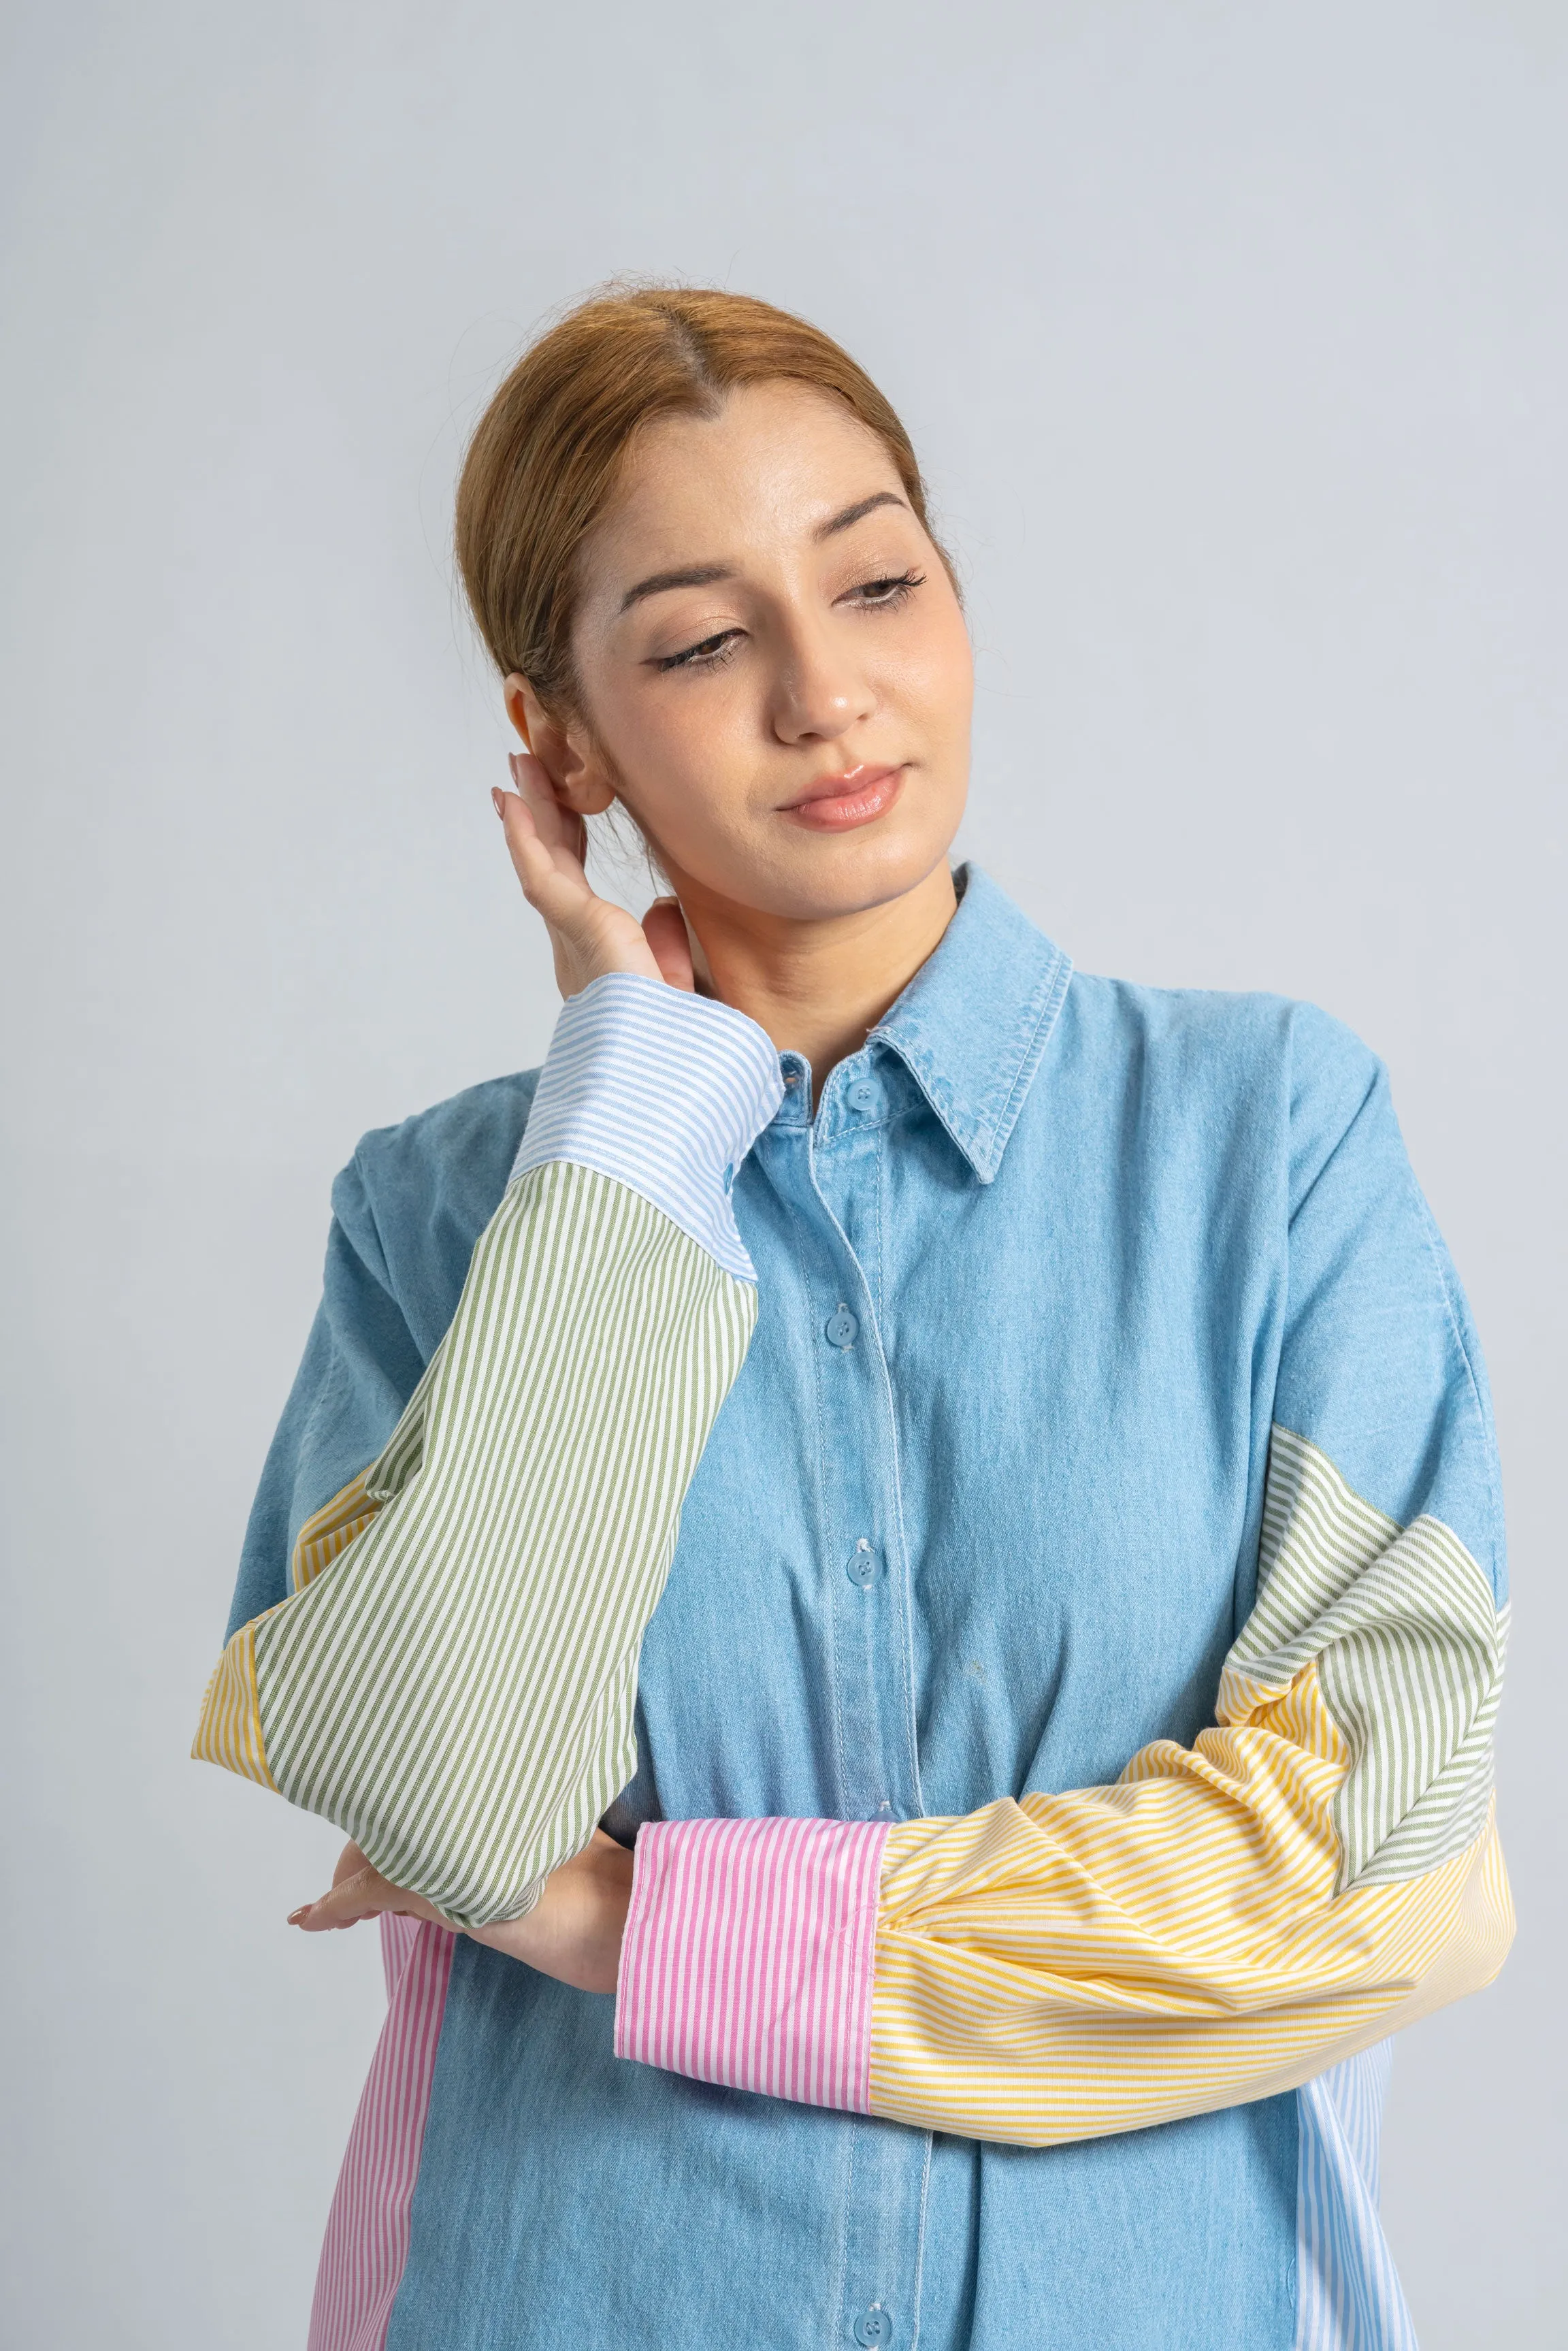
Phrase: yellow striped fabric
(330, 1529)
(1026, 2006)
(229, 1730)
(1227, 1919)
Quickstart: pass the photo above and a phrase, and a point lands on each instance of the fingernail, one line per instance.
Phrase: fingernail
(303, 1912)
(496, 799)
(515, 761)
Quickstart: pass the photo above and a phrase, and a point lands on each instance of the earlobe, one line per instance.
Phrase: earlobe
(586, 794)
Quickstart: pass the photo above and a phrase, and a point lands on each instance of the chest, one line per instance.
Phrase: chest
(979, 1513)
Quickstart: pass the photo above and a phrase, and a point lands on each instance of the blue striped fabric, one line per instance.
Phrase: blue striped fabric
(665, 1092)
(1348, 2294)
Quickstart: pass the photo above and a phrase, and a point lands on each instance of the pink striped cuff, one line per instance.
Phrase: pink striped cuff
(748, 1954)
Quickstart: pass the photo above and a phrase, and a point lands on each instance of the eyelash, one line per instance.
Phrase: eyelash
(712, 653)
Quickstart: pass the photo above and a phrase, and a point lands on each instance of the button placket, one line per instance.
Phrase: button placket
(860, 1502)
(866, 1579)
(888, 2174)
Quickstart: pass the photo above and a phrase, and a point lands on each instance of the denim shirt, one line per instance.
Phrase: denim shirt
(980, 1516)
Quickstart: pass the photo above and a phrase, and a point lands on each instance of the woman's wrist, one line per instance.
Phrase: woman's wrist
(574, 1930)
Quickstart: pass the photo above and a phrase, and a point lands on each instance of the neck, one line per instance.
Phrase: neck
(819, 986)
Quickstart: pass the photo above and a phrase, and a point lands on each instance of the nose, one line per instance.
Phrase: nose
(821, 690)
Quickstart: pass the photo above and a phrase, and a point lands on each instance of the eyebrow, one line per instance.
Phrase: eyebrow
(691, 575)
(852, 514)
(704, 575)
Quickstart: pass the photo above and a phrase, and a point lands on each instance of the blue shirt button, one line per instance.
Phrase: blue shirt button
(874, 2325)
(841, 1328)
(864, 1096)
(861, 1565)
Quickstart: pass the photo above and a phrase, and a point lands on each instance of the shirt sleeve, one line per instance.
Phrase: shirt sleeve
(362, 1363)
(495, 1563)
(1225, 1920)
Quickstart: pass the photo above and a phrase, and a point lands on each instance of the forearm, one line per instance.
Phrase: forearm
(1221, 1923)
(525, 1512)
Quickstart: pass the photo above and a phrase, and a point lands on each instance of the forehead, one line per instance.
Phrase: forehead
(774, 462)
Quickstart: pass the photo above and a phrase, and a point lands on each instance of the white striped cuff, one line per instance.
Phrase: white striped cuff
(665, 1092)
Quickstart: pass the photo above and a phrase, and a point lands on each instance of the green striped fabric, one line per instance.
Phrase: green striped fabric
(456, 1690)
(1409, 1647)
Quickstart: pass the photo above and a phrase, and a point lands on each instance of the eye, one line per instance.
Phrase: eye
(879, 594)
(709, 652)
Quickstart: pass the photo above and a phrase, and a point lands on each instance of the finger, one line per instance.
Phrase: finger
(547, 842)
(665, 929)
(559, 827)
(554, 883)
(531, 780)
(361, 1895)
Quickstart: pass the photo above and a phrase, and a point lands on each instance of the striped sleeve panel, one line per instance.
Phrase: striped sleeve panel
(1222, 1923)
(365, 2251)
(452, 1679)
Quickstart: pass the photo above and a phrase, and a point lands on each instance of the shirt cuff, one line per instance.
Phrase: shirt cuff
(665, 1092)
(748, 1956)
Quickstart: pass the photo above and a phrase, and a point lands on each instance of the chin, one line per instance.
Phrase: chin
(822, 876)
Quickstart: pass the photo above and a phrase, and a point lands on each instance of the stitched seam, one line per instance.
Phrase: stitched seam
(1053, 991)
(1049, 993)
(905, 1659)
(1488, 1443)
(824, 1547)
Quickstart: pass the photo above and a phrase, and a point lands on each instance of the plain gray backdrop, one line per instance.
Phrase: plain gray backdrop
(1233, 341)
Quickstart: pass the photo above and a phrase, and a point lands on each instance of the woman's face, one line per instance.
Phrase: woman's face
(775, 672)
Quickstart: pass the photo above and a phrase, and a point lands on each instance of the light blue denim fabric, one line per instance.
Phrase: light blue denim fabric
(1086, 1241)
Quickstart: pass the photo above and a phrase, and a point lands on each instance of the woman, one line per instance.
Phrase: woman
(961, 1889)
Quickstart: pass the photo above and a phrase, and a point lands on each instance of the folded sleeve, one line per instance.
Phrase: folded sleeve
(1224, 1920)
(452, 1677)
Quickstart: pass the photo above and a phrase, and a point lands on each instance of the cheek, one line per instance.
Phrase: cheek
(933, 681)
(684, 759)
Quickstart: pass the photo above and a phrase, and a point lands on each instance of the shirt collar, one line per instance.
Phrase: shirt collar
(973, 1022)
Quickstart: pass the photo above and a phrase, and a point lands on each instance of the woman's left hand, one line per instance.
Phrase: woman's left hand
(573, 1932)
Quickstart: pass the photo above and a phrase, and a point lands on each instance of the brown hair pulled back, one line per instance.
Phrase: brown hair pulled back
(545, 456)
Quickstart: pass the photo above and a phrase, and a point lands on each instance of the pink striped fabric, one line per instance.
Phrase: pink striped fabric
(748, 1954)
(367, 2229)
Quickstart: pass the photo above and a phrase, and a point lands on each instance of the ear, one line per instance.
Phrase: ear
(564, 748)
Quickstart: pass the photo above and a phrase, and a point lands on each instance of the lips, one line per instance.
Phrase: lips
(838, 803)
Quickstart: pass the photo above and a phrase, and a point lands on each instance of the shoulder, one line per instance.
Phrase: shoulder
(1246, 1024)
(469, 1135)
(415, 1196)
(1232, 1081)
(1227, 1039)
